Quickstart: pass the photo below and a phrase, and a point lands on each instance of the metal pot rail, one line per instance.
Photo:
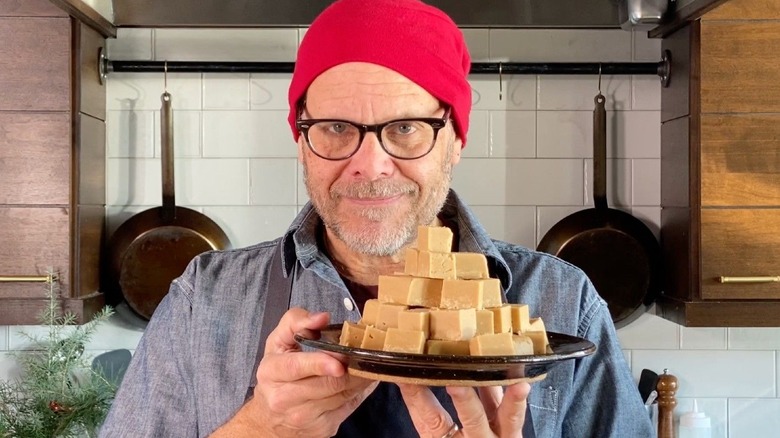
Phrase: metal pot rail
(661, 68)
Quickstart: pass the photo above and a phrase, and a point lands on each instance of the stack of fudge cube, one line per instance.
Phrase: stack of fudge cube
(444, 303)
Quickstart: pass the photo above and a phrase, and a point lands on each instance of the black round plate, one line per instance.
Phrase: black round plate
(449, 369)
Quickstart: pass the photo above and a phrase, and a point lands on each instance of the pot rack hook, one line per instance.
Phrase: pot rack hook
(500, 82)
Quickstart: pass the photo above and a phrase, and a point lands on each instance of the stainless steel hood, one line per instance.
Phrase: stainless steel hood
(597, 14)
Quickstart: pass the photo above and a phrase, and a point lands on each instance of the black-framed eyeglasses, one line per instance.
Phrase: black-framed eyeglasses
(405, 139)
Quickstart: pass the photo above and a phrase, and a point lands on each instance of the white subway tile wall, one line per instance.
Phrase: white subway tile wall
(703, 338)
(526, 166)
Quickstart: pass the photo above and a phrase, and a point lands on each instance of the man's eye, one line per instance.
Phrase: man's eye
(338, 128)
(403, 128)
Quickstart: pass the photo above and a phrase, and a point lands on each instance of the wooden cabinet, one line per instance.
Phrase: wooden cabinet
(720, 169)
(52, 159)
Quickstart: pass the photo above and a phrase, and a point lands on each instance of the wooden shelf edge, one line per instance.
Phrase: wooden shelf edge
(690, 12)
(27, 311)
(85, 14)
(731, 313)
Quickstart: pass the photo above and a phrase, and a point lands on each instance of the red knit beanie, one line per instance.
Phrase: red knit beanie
(416, 40)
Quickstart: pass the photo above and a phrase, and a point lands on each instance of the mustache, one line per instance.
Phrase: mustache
(373, 189)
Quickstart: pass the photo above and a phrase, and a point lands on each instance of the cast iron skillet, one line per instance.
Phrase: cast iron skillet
(153, 247)
(620, 255)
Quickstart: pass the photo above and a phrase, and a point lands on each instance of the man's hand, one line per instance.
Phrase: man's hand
(297, 393)
(486, 412)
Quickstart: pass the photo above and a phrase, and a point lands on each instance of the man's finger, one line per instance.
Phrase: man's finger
(311, 394)
(511, 413)
(348, 406)
(295, 320)
(491, 397)
(327, 422)
(470, 411)
(428, 416)
(289, 367)
(318, 389)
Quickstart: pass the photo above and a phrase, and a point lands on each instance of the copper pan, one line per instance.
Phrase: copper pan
(153, 247)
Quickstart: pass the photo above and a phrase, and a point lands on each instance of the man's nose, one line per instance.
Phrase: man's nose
(371, 161)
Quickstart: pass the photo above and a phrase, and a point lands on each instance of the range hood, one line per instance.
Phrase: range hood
(597, 14)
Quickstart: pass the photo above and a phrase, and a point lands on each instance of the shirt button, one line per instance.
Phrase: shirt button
(348, 304)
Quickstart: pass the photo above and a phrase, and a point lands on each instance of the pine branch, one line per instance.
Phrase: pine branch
(60, 395)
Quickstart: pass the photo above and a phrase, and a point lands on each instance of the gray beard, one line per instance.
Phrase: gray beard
(377, 239)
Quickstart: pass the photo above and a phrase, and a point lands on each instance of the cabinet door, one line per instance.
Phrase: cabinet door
(35, 240)
(34, 64)
(34, 158)
(739, 242)
(740, 160)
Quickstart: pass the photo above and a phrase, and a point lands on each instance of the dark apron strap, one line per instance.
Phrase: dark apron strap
(277, 301)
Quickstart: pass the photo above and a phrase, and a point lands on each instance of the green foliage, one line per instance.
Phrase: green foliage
(59, 394)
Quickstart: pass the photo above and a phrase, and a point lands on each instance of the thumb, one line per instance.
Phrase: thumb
(295, 320)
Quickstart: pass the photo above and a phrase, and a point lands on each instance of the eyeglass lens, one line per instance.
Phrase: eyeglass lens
(403, 138)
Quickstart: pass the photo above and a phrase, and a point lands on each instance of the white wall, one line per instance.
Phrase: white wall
(527, 165)
(102, 7)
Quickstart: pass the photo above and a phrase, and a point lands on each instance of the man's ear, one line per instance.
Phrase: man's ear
(457, 148)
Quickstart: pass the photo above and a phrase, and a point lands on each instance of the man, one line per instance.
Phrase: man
(379, 106)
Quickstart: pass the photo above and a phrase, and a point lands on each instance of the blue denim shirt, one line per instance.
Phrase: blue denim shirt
(192, 367)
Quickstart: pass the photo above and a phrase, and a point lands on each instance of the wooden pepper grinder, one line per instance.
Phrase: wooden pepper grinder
(667, 387)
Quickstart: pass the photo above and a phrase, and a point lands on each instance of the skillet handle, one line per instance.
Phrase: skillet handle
(600, 152)
(166, 141)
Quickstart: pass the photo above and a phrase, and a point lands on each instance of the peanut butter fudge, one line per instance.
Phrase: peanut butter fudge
(444, 303)
(415, 319)
(437, 346)
(352, 334)
(471, 265)
(453, 325)
(410, 291)
(404, 341)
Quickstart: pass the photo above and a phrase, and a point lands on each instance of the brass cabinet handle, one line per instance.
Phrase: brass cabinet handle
(50, 278)
(749, 279)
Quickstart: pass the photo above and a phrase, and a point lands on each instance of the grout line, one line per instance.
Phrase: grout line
(250, 189)
(154, 44)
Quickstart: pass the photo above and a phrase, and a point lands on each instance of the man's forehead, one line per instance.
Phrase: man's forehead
(355, 83)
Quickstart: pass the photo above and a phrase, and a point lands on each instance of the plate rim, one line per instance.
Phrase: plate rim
(587, 349)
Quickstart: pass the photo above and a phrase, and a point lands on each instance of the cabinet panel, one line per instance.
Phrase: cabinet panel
(88, 243)
(30, 8)
(739, 64)
(34, 158)
(740, 160)
(745, 10)
(92, 95)
(740, 242)
(677, 171)
(680, 252)
(35, 64)
(52, 159)
(729, 159)
(679, 97)
(91, 159)
(35, 240)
